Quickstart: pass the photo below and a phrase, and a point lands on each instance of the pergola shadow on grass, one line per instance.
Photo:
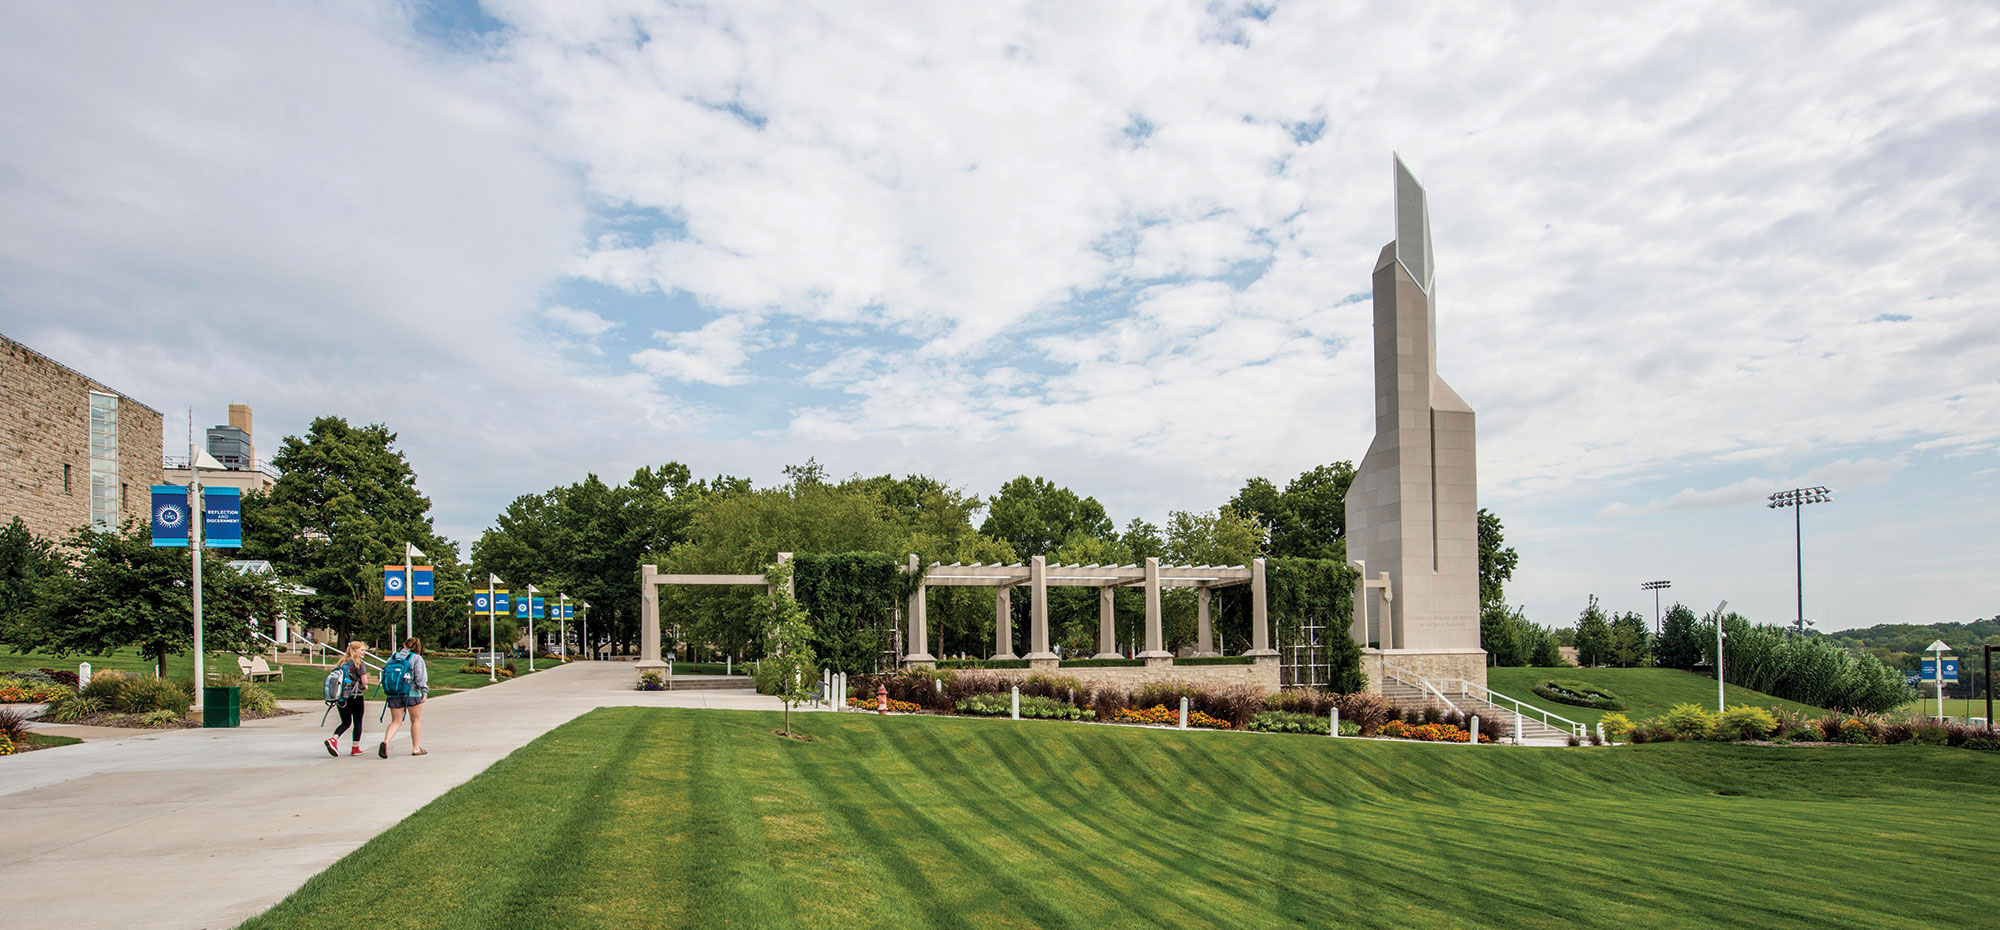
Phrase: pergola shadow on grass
(693, 818)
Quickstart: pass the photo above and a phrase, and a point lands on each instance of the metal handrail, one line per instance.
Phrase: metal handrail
(317, 645)
(1421, 683)
(1495, 698)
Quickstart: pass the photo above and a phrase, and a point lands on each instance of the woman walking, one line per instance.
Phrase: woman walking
(354, 678)
(405, 682)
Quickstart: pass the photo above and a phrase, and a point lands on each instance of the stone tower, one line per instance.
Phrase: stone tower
(1413, 510)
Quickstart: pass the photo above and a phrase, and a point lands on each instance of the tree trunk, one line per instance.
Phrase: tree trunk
(160, 662)
(788, 718)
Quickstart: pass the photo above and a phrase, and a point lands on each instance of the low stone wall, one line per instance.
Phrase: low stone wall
(1261, 673)
(1435, 664)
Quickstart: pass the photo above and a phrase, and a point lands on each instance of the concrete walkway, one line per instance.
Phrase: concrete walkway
(204, 828)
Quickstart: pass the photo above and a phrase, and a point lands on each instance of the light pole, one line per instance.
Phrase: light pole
(1655, 586)
(492, 648)
(588, 653)
(562, 637)
(1718, 656)
(1937, 674)
(410, 552)
(532, 591)
(1797, 499)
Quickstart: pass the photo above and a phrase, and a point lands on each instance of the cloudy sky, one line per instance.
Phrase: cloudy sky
(1686, 256)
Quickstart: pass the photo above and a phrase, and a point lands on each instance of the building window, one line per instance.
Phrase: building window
(124, 496)
(104, 506)
(65, 477)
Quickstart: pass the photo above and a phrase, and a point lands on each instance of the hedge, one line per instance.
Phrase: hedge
(1103, 663)
(1216, 660)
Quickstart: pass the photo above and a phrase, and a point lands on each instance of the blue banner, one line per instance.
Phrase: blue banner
(223, 528)
(569, 611)
(520, 608)
(170, 515)
(1950, 670)
(538, 609)
(501, 603)
(420, 579)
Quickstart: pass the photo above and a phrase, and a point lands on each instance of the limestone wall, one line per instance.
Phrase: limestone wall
(45, 425)
(1435, 664)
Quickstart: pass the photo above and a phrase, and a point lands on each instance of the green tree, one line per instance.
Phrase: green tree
(1545, 650)
(1143, 540)
(789, 634)
(345, 506)
(1036, 517)
(1497, 560)
(1629, 641)
(117, 591)
(1680, 643)
(1308, 519)
(1593, 636)
(25, 559)
(1504, 634)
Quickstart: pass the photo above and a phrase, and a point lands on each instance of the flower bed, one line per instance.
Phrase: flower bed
(505, 672)
(1160, 715)
(1428, 732)
(895, 706)
(1578, 694)
(17, 691)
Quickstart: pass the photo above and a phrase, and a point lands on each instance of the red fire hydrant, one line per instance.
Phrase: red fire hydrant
(881, 699)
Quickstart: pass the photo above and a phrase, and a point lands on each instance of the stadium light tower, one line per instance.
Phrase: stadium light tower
(1655, 586)
(1797, 499)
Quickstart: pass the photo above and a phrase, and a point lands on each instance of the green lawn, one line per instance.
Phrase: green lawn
(1953, 707)
(653, 817)
(1646, 692)
(301, 682)
(48, 740)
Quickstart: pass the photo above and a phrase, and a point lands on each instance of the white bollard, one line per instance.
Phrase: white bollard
(82, 675)
(728, 665)
(1017, 702)
(1333, 723)
(1600, 734)
(1474, 724)
(1183, 709)
(939, 682)
(1517, 728)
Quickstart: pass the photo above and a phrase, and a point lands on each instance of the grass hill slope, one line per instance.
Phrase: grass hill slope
(646, 817)
(1645, 692)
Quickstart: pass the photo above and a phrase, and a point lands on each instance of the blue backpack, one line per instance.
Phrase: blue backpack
(396, 675)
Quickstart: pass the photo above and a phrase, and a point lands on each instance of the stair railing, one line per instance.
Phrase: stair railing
(1419, 682)
(1495, 698)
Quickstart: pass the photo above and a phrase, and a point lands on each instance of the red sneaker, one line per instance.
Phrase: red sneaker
(357, 750)
(333, 746)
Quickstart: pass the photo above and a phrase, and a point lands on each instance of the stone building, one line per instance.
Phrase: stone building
(72, 449)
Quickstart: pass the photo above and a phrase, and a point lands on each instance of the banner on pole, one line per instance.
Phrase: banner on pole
(223, 525)
(521, 608)
(170, 515)
(569, 611)
(497, 603)
(1930, 670)
(421, 580)
(538, 609)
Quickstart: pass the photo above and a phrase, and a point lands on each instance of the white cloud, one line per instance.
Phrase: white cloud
(580, 322)
(713, 354)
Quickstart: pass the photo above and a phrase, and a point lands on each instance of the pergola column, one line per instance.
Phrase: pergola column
(920, 632)
(1003, 622)
(1038, 609)
(1204, 641)
(1260, 622)
(1107, 633)
(1155, 639)
(649, 623)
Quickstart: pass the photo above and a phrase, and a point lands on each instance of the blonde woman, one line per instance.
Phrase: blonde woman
(354, 675)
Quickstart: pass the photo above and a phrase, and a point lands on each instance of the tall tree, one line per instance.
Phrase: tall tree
(1680, 643)
(1036, 517)
(1308, 519)
(25, 559)
(1629, 641)
(1496, 559)
(119, 591)
(1593, 635)
(346, 504)
(1504, 634)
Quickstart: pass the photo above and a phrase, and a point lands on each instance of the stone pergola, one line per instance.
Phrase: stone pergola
(650, 581)
(1039, 576)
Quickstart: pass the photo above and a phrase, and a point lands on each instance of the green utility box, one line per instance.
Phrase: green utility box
(221, 706)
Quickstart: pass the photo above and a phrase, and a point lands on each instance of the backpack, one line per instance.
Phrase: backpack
(336, 684)
(396, 675)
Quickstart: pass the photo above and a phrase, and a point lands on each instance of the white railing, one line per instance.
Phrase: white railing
(1418, 682)
(316, 648)
(1495, 698)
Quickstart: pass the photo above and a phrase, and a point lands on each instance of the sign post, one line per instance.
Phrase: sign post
(492, 648)
(532, 607)
(1937, 651)
(588, 653)
(179, 517)
(562, 635)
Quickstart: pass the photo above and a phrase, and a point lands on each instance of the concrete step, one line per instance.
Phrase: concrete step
(709, 682)
(1532, 730)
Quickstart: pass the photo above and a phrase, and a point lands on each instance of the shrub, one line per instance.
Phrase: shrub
(1032, 706)
(1161, 715)
(73, 707)
(1616, 725)
(1855, 730)
(895, 707)
(1216, 660)
(145, 695)
(161, 718)
(6, 745)
(1740, 723)
(1103, 663)
(1278, 721)
(654, 681)
(1367, 710)
(983, 663)
(1430, 732)
(1578, 693)
(63, 676)
(1651, 731)
(1689, 721)
(14, 724)
(27, 691)
(1983, 744)
(1926, 733)
(103, 685)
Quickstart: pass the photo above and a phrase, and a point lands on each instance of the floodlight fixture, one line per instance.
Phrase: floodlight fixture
(1797, 499)
(1655, 587)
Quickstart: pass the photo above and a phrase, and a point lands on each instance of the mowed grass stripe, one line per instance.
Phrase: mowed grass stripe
(691, 818)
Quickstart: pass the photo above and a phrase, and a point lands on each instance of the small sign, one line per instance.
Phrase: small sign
(1950, 670)
(421, 579)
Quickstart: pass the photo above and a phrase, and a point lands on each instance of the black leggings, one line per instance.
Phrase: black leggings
(350, 712)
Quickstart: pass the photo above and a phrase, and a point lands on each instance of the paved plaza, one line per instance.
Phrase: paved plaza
(204, 828)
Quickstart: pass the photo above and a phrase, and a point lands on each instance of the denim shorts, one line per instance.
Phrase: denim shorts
(411, 700)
